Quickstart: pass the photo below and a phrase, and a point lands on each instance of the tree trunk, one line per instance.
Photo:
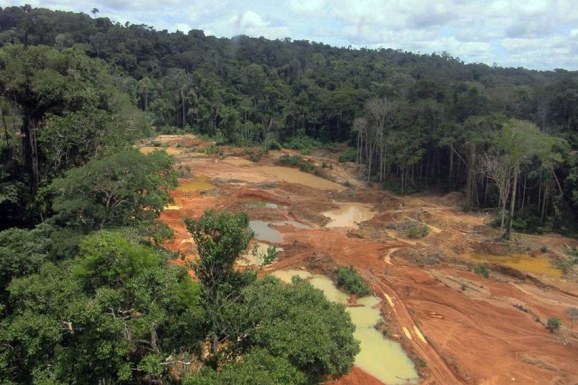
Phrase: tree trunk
(451, 166)
(30, 148)
(508, 232)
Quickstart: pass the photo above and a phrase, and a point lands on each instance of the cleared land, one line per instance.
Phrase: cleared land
(464, 328)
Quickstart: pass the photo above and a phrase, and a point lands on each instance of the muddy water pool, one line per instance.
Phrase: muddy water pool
(349, 214)
(533, 265)
(196, 184)
(380, 357)
(263, 205)
(292, 175)
(264, 232)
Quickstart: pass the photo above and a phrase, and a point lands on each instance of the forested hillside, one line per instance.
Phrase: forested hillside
(418, 121)
(86, 291)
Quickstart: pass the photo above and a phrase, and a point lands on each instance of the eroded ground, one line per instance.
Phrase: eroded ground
(457, 327)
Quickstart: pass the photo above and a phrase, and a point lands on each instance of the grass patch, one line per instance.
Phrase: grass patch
(417, 230)
(349, 155)
(482, 270)
(567, 264)
(553, 324)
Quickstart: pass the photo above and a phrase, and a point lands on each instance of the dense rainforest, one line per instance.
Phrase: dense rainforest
(84, 286)
(87, 293)
(417, 121)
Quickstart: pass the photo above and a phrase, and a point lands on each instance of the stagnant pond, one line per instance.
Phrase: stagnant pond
(380, 357)
(349, 214)
(196, 184)
(264, 232)
(291, 175)
(525, 263)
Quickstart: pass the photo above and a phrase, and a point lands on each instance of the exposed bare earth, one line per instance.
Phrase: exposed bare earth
(466, 328)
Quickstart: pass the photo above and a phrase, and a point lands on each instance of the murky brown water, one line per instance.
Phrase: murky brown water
(236, 161)
(199, 183)
(349, 214)
(262, 205)
(292, 175)
(264, 232)
(525, 263)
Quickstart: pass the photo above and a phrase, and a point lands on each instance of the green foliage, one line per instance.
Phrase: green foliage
(126, 188)
(396, 188)
(417, 230)
(22, 252)
(212, 149)
(349, 155)
(418, 120)
(482, 270)
(256, 367)
(298, 162)
(566, 265)
(295, 325)
(73, 139)
(303, 144)
(553, 324)
(220, 238)
(272, 145)
(66, 108)
(298, 323)
(421, 362)
(349, 280)
(116, 305)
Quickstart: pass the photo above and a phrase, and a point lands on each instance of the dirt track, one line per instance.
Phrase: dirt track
(466, 328)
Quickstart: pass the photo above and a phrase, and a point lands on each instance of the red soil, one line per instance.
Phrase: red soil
(477, 330)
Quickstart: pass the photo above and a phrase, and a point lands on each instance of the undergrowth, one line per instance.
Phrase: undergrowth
(349, 280)
(299, 162)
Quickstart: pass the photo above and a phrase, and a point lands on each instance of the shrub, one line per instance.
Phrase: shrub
(212, 149)
(303, 144)
(255, 156)
(297, 161)
(482, 270)
(553, 324)
(567, 264)
(572, 313)
(421, 362)
(417, 230)
(351, 282)
(349, 155)
(273, 145)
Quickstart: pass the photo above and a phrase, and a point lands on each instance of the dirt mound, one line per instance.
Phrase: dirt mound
(453, 198)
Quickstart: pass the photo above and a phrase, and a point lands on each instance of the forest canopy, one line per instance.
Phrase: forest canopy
(418, 121)
(86, 292)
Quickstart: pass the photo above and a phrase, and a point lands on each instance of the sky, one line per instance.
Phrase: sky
(535, 34)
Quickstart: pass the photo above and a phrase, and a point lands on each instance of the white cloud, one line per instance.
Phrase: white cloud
(306, 6)
(250, 23)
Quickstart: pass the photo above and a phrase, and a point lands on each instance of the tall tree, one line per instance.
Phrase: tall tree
(220, 238)
(123, 189)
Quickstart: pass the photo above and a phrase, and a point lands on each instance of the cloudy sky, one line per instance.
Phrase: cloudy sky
(536, 34)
